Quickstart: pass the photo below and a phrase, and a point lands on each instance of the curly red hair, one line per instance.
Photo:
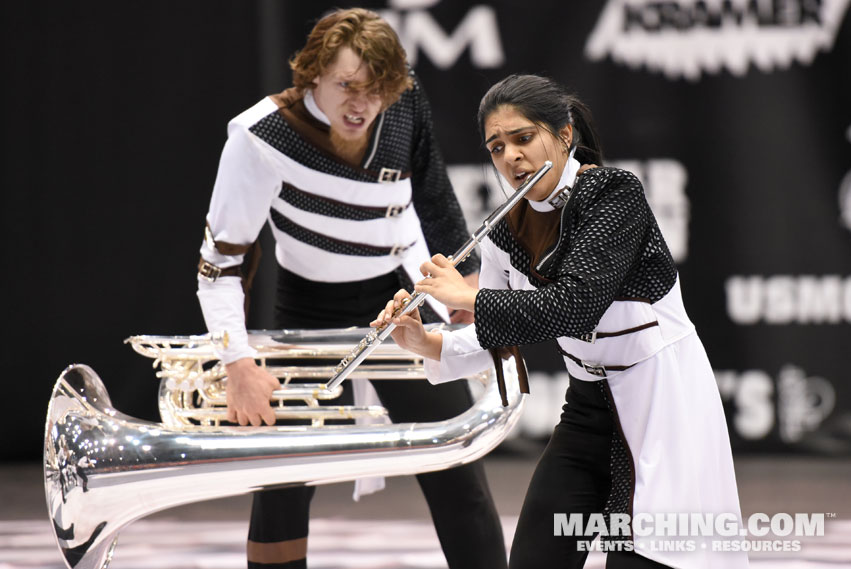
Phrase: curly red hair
(370, 37)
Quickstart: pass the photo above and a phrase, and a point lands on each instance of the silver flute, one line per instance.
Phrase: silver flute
(374, 339)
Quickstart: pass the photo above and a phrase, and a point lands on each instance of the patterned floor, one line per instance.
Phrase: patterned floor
(391, 530)
(335, 544)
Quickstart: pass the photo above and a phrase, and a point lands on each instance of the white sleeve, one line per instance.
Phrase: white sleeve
(461, 355)
(245, 186)
(222, 306)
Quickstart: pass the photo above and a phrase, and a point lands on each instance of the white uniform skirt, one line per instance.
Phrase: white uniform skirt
(672, 419)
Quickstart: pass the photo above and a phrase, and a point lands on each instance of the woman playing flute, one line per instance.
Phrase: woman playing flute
(581, 260)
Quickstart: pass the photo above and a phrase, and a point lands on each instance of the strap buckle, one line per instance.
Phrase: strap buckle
(394, 210)
(561, 198)
(589, 337)
(594, 369)
(389, 175)
(209, 271)
(399, 250)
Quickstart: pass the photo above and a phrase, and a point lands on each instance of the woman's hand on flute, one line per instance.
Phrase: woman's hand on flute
(446, 285)
(409, 332)
(465, 316)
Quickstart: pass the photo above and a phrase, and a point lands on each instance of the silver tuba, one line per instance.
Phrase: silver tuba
(104, 469)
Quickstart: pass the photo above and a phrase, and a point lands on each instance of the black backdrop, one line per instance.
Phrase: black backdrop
(740, 127)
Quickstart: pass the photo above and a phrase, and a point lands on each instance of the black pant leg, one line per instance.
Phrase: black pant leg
(572, 477)
(459, 498)
(277, 534)
(465, 517)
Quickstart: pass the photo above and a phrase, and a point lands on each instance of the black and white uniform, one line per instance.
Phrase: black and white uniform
(347, 237)
(643, 430)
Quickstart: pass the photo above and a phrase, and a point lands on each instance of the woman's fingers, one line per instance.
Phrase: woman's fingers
(404, 322)
(385, 314)
(434, 266)
(441, 261)
(428, 286)
(390, 308)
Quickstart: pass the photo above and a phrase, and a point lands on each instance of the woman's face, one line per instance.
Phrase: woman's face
(519, 147)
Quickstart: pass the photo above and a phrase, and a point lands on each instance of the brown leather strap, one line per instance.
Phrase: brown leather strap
(586, 367)
(628, 330)
(250, 264)
(522, 374)
(385, 174)
(224, 247)
(235, 271)
(500, 376)
(634, 299)
(503, 353)
(246, 271)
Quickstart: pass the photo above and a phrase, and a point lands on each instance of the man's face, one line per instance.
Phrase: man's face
(350, 111)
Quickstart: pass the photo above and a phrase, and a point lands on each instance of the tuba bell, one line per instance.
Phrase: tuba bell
(104, 469)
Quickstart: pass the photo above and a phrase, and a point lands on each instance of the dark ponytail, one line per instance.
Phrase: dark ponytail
(546, 103)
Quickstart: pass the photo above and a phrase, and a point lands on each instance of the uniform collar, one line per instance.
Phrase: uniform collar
(559, 195)
(313, 108)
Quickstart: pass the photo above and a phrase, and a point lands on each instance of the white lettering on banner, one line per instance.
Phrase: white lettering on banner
(845, 201)
(412, 4)
(664, 182)
(803, 403)
(688, 37)
(418, 30)
(479, 193)
(567, 525)
(689, 524)
(845, 194)
(752, 393)
(788, 299)
(478, 190)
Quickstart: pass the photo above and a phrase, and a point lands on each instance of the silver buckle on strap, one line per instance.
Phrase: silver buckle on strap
(594, 369)
(394, 210)
(389, 175)
(589, 337)
(209, 271)
(561, 198)
(399, 250)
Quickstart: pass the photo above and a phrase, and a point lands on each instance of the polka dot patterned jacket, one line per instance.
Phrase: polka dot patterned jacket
(606, 289)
